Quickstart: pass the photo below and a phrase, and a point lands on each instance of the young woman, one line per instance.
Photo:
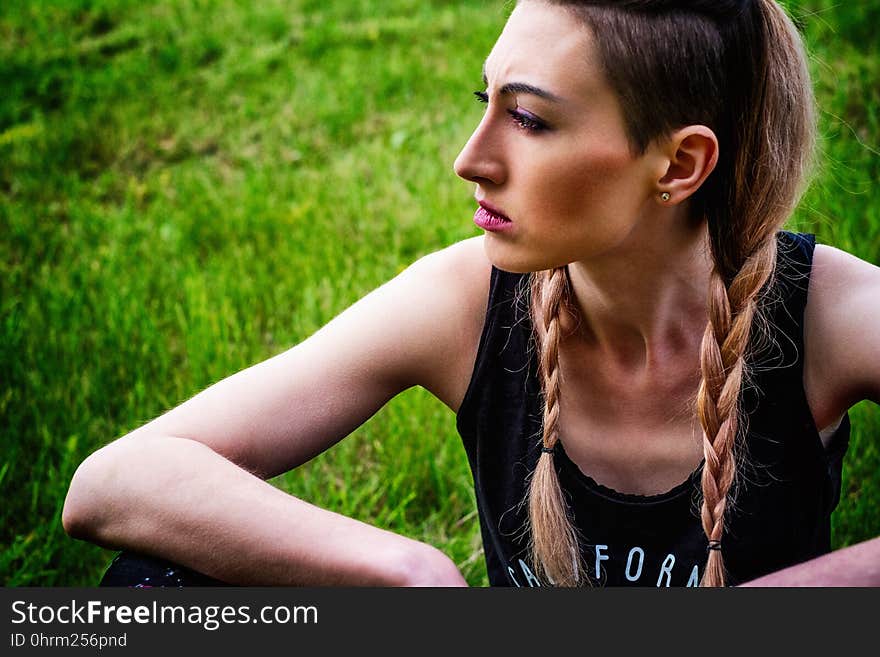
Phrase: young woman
(658, 391)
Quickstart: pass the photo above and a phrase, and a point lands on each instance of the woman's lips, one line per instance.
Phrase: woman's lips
(489, 219)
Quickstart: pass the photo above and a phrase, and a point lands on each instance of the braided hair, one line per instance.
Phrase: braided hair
(738, 67)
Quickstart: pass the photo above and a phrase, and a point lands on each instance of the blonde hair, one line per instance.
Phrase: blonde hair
(738, 67)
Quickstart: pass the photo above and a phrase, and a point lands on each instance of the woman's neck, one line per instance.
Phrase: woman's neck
(646, 302)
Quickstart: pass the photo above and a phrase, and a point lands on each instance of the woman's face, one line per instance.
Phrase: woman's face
(551, 152)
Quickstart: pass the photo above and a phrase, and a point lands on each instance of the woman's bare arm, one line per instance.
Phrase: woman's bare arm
(189, 487)
(841, 334)
(841, 368)
(180, 500)
(856, 565)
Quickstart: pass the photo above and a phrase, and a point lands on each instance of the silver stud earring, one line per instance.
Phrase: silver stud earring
(665, 196)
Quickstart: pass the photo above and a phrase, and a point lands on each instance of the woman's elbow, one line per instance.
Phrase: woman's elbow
(81, 513)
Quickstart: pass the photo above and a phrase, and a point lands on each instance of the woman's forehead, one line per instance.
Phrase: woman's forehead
(546, 46)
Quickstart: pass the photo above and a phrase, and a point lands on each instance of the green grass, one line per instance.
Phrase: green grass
(187, 188)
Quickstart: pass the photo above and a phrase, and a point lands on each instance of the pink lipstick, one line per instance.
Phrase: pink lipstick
(487, 218)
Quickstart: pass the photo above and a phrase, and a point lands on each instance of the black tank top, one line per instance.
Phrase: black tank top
(784, 494)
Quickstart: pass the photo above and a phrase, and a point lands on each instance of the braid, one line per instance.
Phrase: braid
(776, 136)
(732, 311)
(554, 541)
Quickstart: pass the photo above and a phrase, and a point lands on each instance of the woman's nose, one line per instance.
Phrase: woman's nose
(480, 160)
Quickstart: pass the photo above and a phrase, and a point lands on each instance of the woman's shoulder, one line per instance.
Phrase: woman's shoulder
(841, 333)
(459, 272)
(467, 255)
(455, 280)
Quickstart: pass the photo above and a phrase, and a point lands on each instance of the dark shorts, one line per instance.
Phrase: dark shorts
(142, 571)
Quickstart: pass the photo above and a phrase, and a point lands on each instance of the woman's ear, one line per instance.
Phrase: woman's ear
(691, 154)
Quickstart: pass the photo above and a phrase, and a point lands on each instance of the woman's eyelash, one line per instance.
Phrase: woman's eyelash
(522, 119)
(526, 121)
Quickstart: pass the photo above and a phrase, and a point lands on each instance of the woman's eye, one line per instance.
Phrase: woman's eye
(526, 121)
(521, 118)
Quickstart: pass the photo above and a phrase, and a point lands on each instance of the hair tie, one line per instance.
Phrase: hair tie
(548, 450)
(714, 545)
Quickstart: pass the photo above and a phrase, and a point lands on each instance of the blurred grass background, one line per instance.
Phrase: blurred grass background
(189, 187)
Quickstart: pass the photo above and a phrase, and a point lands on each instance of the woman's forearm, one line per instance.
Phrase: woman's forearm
(856, 565)
(178, 499)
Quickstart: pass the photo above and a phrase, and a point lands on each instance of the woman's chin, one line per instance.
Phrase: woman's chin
(507, 257)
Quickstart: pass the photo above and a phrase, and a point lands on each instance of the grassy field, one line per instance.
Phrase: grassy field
(189, 187)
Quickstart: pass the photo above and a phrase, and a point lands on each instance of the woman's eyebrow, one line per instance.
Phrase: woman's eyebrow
(523, 88)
